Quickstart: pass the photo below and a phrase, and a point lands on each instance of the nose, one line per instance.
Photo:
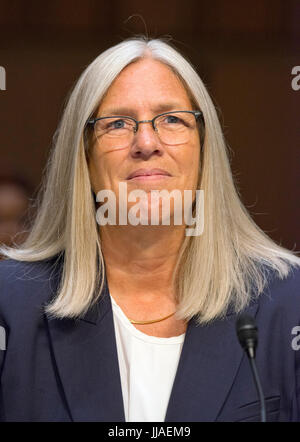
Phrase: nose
(146, 142)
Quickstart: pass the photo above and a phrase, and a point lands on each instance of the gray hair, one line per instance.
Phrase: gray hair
(227, 264)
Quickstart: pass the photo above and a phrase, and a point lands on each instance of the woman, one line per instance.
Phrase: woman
(136, 321)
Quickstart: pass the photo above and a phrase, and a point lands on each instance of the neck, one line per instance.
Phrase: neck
(140, 260)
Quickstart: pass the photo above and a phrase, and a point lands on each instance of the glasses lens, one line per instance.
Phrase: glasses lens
(112, 129)
(175, 127)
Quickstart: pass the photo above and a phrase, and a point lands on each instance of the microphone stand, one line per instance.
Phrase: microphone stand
(259, 390)
(248, 337)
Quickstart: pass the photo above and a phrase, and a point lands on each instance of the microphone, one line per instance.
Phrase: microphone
(247, 334)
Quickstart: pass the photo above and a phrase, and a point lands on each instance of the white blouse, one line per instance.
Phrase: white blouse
(148, 365)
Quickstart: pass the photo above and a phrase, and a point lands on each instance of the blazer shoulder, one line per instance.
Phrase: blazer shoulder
(24, 284)
(290, 282)
(283, 293)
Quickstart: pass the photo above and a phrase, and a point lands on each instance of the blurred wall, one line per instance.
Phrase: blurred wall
(243, 50)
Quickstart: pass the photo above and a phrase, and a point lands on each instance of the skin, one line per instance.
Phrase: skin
(140, 260)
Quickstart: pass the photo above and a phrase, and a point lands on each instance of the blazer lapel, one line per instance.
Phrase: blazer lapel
(210, 358)
(85, 355)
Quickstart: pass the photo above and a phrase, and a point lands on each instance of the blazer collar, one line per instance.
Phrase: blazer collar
(210, 358)
(86, 359)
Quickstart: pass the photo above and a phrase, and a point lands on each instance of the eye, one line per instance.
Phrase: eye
(172, 119)
(116, 124)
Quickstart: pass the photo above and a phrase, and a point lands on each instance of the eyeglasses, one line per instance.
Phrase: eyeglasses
(172, 128)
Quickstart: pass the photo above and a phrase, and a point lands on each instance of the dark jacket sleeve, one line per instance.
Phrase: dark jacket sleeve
(296, 395)
(3, 330)
(3, 346)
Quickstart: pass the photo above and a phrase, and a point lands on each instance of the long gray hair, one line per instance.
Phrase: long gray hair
(225, 265)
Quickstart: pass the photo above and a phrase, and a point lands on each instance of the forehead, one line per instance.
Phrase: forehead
(146, 83)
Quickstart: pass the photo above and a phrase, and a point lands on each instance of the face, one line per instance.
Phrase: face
(143, 90)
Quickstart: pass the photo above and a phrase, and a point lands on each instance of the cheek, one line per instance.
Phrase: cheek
(195, 160)
(96, 166)
(196, 166)
(103, 169)
(190, 159)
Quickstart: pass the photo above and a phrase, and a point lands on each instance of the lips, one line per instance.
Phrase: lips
(148, 172)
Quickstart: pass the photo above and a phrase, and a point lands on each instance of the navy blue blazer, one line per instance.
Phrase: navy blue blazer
(67, 370)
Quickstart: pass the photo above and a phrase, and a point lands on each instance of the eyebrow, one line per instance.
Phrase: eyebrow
(160, 108)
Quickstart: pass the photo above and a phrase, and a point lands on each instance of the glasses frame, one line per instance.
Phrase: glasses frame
(197, 114)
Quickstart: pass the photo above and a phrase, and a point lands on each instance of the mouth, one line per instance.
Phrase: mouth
(148, 175)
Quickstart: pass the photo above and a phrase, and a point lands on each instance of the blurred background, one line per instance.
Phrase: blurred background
(243, 50)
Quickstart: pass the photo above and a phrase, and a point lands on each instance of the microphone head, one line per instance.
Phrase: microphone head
(246, 330)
